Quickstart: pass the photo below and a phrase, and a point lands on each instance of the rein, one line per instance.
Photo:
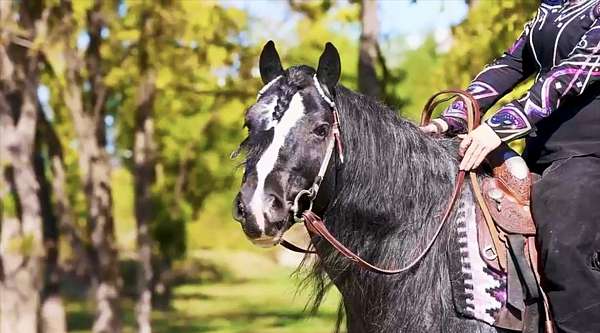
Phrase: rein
(315, 224)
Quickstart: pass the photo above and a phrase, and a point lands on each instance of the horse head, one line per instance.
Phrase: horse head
(290, 130)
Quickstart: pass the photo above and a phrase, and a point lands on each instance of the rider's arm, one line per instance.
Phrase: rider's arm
(496, 80)
(566, 80)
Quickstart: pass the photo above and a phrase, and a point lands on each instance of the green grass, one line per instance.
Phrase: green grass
(256, 297)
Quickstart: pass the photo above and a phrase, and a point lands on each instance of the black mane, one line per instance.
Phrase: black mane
(389, 195)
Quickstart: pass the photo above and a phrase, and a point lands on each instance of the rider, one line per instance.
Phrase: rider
(560, 119)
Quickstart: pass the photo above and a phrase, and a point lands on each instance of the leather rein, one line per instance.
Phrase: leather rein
(315, 224)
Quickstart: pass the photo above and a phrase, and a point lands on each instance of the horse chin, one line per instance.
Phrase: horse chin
(266, 241)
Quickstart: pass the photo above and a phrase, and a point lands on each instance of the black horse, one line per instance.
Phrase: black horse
(384, 201)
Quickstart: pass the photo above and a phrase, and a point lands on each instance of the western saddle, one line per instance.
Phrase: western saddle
(505, 227)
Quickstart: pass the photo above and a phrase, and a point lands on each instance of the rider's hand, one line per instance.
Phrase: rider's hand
(436, 126)
(477, 145)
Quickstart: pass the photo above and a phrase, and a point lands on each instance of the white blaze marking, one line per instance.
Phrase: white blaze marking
(267, 161)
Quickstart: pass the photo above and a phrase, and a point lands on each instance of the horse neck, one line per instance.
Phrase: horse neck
(389, 192)
(393, 176)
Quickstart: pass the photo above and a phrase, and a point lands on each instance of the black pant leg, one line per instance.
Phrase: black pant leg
(566, 208)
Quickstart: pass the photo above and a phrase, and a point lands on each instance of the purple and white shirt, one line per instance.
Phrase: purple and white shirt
(560, 113)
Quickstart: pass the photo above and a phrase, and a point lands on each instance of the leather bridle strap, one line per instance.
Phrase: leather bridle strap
(473, 113)
(295, 248)
(333, 140)
(473, 120)
(316, 226)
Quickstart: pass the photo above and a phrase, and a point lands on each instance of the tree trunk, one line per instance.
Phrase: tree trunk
(21, 249)
(144, 153)
(52, 314)
(62, 204)
(367, 75)
(94, 162)
(21, 245)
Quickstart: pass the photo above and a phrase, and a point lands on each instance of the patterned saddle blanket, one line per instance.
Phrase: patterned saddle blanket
(492, 265)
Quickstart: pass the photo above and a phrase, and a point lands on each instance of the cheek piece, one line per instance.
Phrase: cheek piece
(334, 140)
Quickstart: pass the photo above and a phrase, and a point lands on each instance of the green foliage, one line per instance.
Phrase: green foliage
(314, 30)
(204, 83)
(489, 29)
(25, 245)
(125, 230)
(419, 83)
(206, 76)
(479, 39)
(8, 204)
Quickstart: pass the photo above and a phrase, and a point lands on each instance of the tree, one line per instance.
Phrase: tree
(21, 246)
(368, 83)
(84, 94)
(179, 113)
(144, 160)
(52, 310)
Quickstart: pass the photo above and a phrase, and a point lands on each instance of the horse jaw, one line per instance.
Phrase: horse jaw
(267, 241)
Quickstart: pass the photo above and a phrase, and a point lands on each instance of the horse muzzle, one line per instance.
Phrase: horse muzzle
(265, 224)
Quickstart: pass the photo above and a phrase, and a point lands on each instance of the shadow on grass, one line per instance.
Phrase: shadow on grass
(232, 322)
(262, 302)
(201, 311)
(253, 320)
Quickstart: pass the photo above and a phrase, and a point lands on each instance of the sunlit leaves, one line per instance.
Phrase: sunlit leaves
(489, 29)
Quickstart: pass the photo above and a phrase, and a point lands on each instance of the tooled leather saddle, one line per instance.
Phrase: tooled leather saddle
(505, 227)
(506, 235)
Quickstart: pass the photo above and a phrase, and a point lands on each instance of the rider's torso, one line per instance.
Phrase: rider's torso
(557, 29)
(573, 129)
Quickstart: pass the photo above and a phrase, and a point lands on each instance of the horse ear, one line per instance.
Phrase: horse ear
(269, 63)
(329, 68)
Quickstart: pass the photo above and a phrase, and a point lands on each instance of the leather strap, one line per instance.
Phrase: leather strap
(489, 221)
(531, 313)
(473, 120)
(533, 261)
(473, 113)
(295, 248)
(316, 226)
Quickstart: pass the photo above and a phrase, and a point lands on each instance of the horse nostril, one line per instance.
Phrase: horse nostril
(239, 210)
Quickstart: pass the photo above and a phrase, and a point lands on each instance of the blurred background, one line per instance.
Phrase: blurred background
(117, 122)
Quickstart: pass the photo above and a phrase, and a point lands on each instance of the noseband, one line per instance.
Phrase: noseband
(315, 224)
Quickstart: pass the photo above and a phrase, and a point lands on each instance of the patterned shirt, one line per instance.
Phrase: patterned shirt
(560, 113)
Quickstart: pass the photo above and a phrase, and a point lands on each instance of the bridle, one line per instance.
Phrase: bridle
(315, 224)
(333, 140)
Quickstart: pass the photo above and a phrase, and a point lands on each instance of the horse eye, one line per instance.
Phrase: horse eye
(322, 130)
